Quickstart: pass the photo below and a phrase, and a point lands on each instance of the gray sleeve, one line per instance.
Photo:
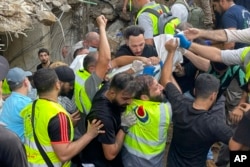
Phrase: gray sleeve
(145, 22)
(231, 57)
(242, 36)
(92, 85)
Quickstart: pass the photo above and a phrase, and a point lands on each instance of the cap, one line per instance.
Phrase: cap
(17, 75)
(4, 67)
(65, 74)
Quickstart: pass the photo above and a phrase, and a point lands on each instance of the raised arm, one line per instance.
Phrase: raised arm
(166, 73)
(104, 57)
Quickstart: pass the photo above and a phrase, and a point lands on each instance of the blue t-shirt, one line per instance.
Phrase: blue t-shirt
(11, 113)
(236, 17)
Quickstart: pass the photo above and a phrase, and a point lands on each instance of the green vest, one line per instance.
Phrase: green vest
(82, 101)
(154, 19)
(147, 138)
(44, 111)
(5, 88)
(245, 58)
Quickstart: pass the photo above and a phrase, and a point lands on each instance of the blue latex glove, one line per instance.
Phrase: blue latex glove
(184, 42)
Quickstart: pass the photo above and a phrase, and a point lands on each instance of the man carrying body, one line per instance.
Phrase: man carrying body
(135, 48)
(107, 105)
(145, 142)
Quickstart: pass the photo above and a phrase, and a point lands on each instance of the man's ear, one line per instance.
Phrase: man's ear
(58, 85)
(214, 95)
(194, 92)
(144, 97)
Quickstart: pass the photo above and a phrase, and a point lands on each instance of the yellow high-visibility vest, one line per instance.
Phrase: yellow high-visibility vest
(45, 110)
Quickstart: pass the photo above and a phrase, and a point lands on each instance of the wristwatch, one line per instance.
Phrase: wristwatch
(124, 129)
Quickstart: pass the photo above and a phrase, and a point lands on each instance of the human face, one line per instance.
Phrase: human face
(136, 44)
(43, 57)
(217, 7)
(122, 99)
(156, 92)
(66, 87)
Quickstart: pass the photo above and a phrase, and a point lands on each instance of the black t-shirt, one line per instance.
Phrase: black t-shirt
(148, 51)
(39, 66)
(194, 131)
(186, 82)
(110, 115)
(242, 134)
(12, 152)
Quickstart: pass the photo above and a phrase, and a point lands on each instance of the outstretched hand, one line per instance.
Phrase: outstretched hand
(192, 33)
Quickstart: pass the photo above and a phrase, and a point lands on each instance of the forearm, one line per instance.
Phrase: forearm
(199, 62)
(166, 74)
(216, 35)
(127, 59)
(71, 149)
(210, 53)
(111, 151)
(104, 53)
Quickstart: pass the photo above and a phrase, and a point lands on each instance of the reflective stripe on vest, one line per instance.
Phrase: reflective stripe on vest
(153, 18)
(245, 58)
(80, 98)
(147, 138)
(44, 111)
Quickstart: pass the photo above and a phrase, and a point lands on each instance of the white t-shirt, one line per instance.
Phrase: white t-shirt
(242, 36)
(231, 57)
(78, 62)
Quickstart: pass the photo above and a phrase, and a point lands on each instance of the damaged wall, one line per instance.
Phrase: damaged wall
(28, 25)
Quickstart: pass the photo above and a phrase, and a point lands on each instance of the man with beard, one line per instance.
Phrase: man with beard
(20, 85)
(46, 123)
(136, 47)
(44, 57)
(108, 104)
(195, 129)
(145, 142)
(66, 77)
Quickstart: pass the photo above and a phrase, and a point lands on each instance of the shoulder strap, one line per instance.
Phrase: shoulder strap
(154, 12)
(42, 152)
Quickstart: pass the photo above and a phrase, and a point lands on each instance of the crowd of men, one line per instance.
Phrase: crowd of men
(73, 113)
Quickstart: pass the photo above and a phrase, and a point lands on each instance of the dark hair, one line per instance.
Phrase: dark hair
(44, 80)
(90, 59)
(142, 84)
(205, 85)
(120, 82)
(43, 50)
(133, 31)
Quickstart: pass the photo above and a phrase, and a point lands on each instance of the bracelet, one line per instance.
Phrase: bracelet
(124, 129)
